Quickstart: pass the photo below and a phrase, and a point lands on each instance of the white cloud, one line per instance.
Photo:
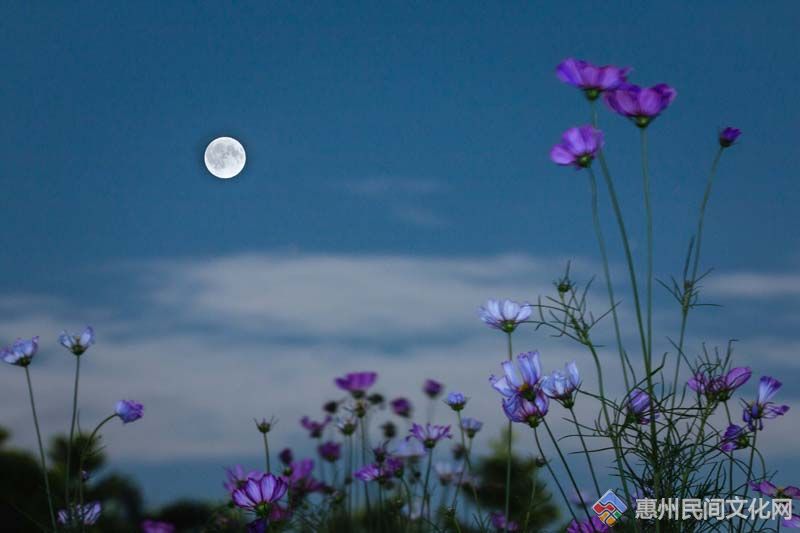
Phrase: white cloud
(753, 286)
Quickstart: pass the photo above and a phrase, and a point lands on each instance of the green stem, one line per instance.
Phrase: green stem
(364, 459)
(425, 495)
(463, 468)
(689, 462)
(266, 453)
(749, 473)
(585, 450)
(508, 453)
(553, 475)
(41, 450)
(566, 466)
(72, 429)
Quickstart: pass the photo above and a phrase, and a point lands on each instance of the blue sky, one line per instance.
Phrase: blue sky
(397, 176)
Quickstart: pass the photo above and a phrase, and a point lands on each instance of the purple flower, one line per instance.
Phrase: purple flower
(260, 495)
(719, 388)
(300, 479)
(595, 525)
(563, 386)
(640, 104)
(152, 526)
(401, 407)
(432, 388)
(129, 411)
(578, 147)
(21, 352)
(77, 344)
(456, 401)
(471, 426)
(86, 514)
(315, 428)
(409, 449)
(592, 79)
(755, 412)
(357, 383)
(769, 489)
(330, 451)
(521, 380)
(728, 136)
(735, 438)
(523, 411)
(501, 524)
(638, 405)
(448, 472)
(379, 472)
(430, 434)
(286, 456)
(791, 523)
(237, 478)
(504, 315)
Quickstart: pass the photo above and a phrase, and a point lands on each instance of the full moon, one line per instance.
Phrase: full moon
(225, 157)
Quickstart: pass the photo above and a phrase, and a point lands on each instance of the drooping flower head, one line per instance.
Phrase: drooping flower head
(504, 315)
(563, 386)
(152, 526)
(260, 495)
(237, 477)
(401, 407)
(578, 147)
(638, 405)
(77, 344)
(728, 136)
(592, 79)
(430, 434)
(595, 525)
(755, 412)
(767, 488)
(21, 352)
(520, 380)
(129, 411)
(456, 401)
(86, 514)
(640, 104)
(330, 451)
(471, 426)
(524, 411)
(500, 523)
(719, 388)
(432, 388)
(357, 383)
(735, 438)
(315, 428)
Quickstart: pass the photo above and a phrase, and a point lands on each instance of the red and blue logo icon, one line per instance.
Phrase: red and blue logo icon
(609, 508)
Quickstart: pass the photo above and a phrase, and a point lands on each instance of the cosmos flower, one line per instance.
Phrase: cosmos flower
(347, 425)
(286, 456)
(791, 523)
(430, 434)
(409, 449)
(768, 488)
(260, 495)
(129, 411)
(357, 383)
(521, 380)
(379, 472)
(578, 147)
(500, 523)
(592, 79)
(21, 352)
(432, 388)
(504, 315)
(152, 526)
(87, 514)
(735, 438)
(563, 386)
(77, 344)
(300, 478)
(401, 407)
(315, 428)
(471, 426)
(448, 472)
(755, 412)
(719, 388)
(728, 136)
(640, 104)
(523, 411)
(638, 405)
(456, 401)
(595, 525)
(237, 477)
(330, 451)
